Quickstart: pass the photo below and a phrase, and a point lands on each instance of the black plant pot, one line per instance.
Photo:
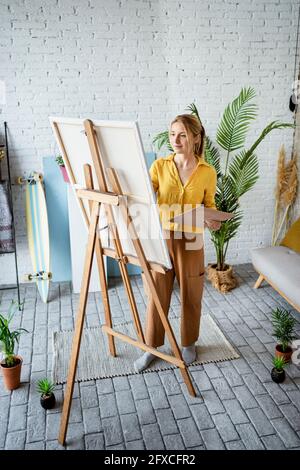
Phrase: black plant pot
(277, 376)
(48, 401)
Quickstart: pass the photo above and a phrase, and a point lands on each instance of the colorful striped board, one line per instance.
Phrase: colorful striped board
(37, 233)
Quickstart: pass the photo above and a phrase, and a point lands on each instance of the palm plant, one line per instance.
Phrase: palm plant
(45, 387)
(238, 174)
(9, 337)
(279, 363)
(278, 372)
(283, 324)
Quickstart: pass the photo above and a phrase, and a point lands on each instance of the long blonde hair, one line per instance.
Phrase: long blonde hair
(194, 126)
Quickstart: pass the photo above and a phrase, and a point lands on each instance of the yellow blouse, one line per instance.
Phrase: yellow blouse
(174, 198)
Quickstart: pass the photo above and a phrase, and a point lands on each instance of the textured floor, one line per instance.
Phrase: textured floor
(237, 407)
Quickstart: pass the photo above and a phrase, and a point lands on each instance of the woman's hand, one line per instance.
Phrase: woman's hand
(212, 224)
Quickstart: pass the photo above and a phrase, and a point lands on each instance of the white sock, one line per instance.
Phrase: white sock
(143, 362)
(189, 353)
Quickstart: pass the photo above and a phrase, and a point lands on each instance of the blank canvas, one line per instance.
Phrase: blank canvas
(121, 149)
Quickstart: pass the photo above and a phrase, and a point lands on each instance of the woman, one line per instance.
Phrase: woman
(180, 179)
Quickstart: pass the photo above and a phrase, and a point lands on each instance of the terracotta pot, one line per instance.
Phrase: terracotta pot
(277, 376)
(223, 281)
(11, 375)
(64, 173)
(47, 401)
(287, 354)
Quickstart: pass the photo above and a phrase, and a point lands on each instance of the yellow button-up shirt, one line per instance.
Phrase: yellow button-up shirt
(174, 198)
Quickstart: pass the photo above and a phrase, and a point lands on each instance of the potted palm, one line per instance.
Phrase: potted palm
(236, 174)
(11, 364)
(61, 164)
(45, 387)
(283, 324)
(278, 373)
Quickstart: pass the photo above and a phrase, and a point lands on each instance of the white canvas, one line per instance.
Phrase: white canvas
(121, 148)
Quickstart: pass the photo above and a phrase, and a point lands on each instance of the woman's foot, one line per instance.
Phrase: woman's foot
(143, 362)
(189, 353)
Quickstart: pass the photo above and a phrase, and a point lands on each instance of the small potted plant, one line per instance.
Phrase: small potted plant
(45, 387)
(278, 373)
(283, 324)
(11, 363)
(61, 164)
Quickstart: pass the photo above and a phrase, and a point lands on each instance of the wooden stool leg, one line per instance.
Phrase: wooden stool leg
(258, 282)
(79, 323)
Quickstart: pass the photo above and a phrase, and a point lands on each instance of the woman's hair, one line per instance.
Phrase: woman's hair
(194, 126)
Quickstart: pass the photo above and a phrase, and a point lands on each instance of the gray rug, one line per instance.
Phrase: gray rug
(95, 362)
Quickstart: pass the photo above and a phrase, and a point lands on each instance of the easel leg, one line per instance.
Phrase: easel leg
(79, 323)
(105, 297)
(101, 269)
(131, 299)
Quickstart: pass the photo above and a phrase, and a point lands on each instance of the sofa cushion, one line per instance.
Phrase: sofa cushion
(292, 238)
(281, 266)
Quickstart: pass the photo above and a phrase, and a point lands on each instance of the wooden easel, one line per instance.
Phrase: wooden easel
(108, 199)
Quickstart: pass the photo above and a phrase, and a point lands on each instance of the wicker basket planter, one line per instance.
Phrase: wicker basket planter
(223, 281)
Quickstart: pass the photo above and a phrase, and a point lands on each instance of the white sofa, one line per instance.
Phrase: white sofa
(280, 267)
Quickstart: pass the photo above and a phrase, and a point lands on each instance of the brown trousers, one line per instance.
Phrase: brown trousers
(188, 267)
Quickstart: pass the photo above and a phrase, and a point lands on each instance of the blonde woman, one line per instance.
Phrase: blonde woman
(183, 178)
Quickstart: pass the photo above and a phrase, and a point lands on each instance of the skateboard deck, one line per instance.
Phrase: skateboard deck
(37, 233)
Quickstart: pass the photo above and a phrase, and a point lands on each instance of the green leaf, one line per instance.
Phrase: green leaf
(229, 228)
(162, 140)
(269, 128)
(59, 160)
(45, 386)
(236, 120)
(9, 337)
(193, 108)
(279, 363)
(283, 324)
(243, 173)
(225, 197)
(212, 156)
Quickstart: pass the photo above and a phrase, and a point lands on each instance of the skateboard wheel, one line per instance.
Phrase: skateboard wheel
(37, 177)
(20, 180)
(28, 277)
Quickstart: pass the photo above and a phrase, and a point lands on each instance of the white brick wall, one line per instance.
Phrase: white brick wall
(145, 60)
